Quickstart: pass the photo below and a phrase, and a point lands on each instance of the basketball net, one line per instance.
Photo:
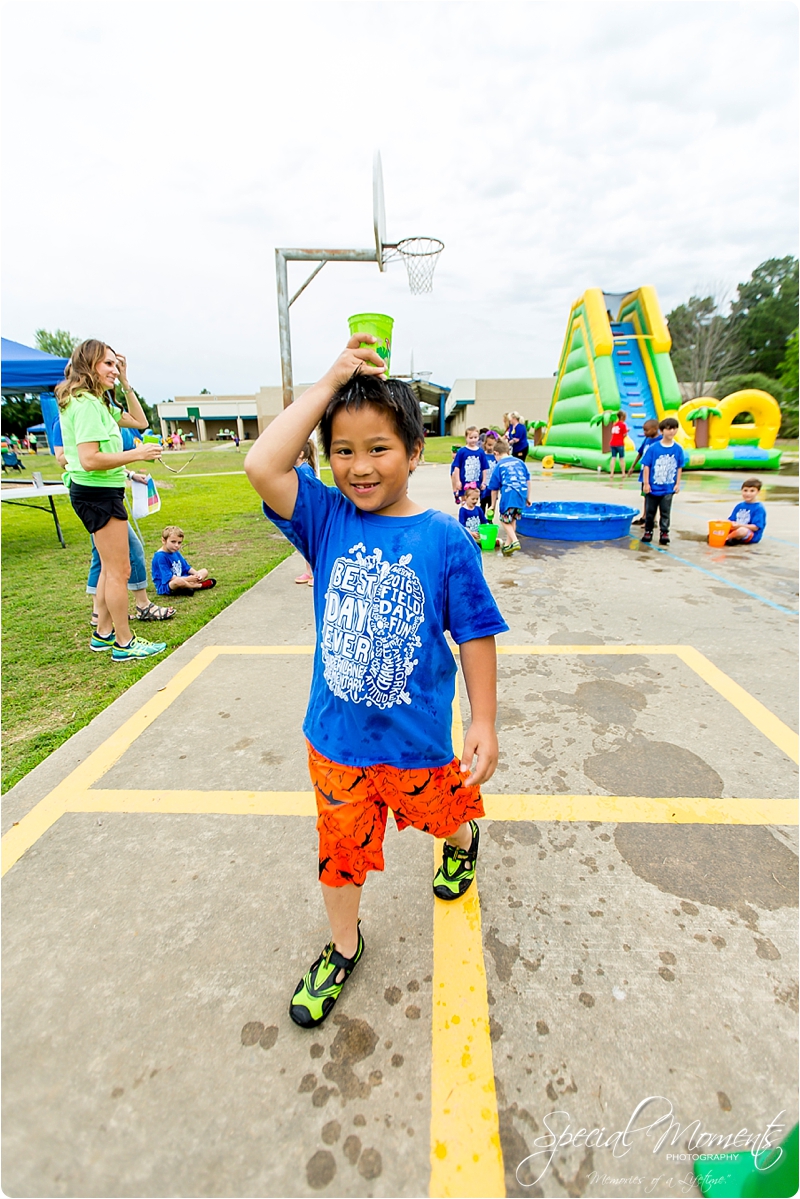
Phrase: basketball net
(420, 254)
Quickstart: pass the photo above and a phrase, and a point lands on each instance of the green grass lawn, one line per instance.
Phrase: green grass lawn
(52, 684)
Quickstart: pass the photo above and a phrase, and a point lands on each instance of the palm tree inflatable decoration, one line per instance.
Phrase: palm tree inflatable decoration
(700, 417)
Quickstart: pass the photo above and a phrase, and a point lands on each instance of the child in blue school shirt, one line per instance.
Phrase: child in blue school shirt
(470, 464)
(470, 514)
(650, 430)
(511, 483)
(307, 462)
(390, 579)
(749, 516)
(172, 574)
(662, 465)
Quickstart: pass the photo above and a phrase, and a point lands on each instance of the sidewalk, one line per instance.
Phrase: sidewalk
(622, 948)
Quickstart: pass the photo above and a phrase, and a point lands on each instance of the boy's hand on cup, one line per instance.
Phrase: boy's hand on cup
(481, 743)
(356, 357)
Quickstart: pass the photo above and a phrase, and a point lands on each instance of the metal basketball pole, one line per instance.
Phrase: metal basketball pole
(282, 256)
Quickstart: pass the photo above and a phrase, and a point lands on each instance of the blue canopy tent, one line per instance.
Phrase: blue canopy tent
(29, 371)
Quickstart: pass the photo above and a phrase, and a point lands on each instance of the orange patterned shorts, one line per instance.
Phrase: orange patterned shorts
(352, 805)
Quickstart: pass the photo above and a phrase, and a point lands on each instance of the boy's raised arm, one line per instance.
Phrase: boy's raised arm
(269, 464)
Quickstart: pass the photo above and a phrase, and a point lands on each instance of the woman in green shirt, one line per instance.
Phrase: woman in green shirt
(96, 465)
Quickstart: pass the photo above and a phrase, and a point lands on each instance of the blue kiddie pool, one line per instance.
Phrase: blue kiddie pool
(576, 522)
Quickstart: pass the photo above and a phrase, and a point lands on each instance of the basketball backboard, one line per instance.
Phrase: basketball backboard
(378, 209)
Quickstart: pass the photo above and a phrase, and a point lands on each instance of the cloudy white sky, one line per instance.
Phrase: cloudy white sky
(155, 154)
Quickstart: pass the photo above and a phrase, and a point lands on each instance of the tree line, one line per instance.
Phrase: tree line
(754, 344)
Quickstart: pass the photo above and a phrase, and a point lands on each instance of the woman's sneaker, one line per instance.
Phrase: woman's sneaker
(318, 990)
(138, 648)
(454, 876)
(98, 643)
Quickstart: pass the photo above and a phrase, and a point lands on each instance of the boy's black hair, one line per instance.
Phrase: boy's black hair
(372, 391)
(669, 422)
(753, 483)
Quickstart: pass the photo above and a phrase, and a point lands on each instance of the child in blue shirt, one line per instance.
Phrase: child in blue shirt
(650, 430)
(511, 481)
(490, 450)
(307, 461)
(662, 465)
(389, 580)
(470, 514)
(470, 464)
(172, 574)
(749, 516)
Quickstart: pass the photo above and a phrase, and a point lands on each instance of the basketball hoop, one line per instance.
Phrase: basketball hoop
(420, 254)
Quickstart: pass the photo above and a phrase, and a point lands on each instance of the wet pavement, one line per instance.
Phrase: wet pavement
(635, 938)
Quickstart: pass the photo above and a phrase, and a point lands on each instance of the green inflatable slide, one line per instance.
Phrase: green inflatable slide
(616, 355)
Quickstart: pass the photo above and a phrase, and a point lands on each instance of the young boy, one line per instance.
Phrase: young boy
(511, 482)
(389, 580)
(172, 574)
(650, 430)
(662, 466)
(470, 464)
(619, 431)
(749, 516)
(490, 450)
(469, 514)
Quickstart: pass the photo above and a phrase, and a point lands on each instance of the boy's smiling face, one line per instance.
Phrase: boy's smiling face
(370, 462)
(749, 495)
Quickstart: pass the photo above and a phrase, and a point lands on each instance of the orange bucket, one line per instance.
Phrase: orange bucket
(718, 531)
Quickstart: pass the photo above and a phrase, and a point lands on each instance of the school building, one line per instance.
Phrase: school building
(446, 410)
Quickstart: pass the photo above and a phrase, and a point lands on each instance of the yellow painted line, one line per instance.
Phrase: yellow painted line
(760, 717)
(30, 828)
(765, 721)
(275, 650)
(637, 809)
(590, 649)
(215, 803)
(466, 1157)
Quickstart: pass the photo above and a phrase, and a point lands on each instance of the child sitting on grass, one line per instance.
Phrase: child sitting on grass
(172, 574)
(392, 579)
(470, 514)
(749, 516)
(511, 482)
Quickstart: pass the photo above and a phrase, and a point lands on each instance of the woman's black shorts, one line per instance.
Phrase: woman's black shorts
(97, 505)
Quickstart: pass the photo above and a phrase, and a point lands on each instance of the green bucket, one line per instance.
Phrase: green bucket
(380, 326)
(488, 536)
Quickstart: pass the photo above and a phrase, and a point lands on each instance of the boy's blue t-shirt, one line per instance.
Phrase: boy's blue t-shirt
(510, 477)
(643, 448)
(165, 567)
(385, 590)
(664, 461)
(471, 518)
(470, 464)
(750, 514)
(307, 469)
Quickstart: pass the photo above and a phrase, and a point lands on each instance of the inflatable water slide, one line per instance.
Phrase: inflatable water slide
(616, 355)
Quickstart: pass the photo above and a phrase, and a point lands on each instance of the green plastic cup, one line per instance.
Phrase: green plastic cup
(380, 326)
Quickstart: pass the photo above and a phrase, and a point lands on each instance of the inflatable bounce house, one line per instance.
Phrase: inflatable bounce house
(616, 355)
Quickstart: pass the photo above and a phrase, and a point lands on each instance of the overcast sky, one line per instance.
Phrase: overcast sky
(155, 154)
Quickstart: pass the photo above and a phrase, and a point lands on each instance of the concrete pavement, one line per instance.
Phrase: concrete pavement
(623, 948)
